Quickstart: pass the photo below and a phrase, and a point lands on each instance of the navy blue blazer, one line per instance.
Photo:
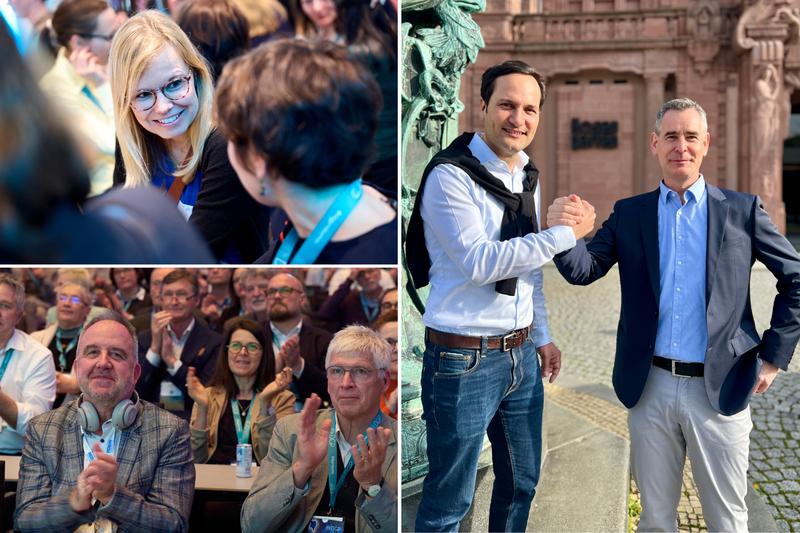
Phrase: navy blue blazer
(739, 232)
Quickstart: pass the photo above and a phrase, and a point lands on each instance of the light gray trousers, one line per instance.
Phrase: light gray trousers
(674, 418)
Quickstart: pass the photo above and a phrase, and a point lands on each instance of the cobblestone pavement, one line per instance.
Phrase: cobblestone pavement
(587, 340)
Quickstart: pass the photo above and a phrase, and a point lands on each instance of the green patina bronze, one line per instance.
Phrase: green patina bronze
(440, 40)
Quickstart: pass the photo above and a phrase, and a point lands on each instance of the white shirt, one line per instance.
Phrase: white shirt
(462, 230)
(30, 379)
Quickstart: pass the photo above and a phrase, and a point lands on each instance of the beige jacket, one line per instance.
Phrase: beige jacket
(204, 441)
(275, 505)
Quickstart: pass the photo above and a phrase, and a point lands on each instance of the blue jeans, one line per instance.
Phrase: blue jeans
(467, 394)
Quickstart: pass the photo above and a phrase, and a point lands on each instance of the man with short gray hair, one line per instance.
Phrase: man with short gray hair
(336, 466)
(688, 354)
(106, 461)
(27, 372)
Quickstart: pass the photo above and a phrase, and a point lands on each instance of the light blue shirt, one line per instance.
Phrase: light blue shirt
(682, 241)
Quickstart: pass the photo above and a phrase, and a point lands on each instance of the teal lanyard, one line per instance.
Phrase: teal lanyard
(334, 484)
(371, 312)
(90, 454)
(6, 359)
(62, 358)
(242, 433)
(324, 231)
(88, 93)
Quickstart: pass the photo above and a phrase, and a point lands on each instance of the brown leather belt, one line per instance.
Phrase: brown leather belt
(506, 342)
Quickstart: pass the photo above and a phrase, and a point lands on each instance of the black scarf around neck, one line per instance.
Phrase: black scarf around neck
(519, 217)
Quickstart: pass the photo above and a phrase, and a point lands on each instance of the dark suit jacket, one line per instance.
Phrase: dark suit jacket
(155, 480)
(313, 348)
(739, 232)
(201, 351)
(343, 307)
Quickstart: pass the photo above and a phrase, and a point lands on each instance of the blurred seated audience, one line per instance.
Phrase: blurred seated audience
(218, 29)
(268, 19)
(73, 303)
(353, 444)
(315, 19)
(80, 34)
(81, 276)
(300, 118)
(27, 371)
(132, 296)
(108, 461)
(219, 300)
(175, 341)
(243, 400)
(162, 92)
(369, 30)
(386, 326)
(142, 321)
(354, 305)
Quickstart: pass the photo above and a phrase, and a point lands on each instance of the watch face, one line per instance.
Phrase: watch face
(373, 490)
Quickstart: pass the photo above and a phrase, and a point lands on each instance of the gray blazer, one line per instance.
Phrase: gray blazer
(739, 233)
(155, 480)
(273, 506)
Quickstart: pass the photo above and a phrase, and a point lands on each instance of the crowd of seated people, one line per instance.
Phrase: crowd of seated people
(231, 381)
(287, 156)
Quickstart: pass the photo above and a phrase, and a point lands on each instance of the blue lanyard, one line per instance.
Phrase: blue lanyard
(242, 433)
(335, 485)
(371, 312)
(324, 231)
(62, 358)
(92, 97)
(6, 359)
(90, 454)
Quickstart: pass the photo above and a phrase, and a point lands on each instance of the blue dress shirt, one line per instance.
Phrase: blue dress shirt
(682, 242)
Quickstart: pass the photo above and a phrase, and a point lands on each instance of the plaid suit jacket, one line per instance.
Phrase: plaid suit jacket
(155, 480)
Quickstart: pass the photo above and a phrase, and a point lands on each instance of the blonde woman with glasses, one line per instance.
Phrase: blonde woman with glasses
(162, 91)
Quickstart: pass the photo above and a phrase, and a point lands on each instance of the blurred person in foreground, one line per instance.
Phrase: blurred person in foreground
(300, 120)
(80, 34)
(162, 92)
(107, 459)
(338, 464)
(43, 182)
(387, 327)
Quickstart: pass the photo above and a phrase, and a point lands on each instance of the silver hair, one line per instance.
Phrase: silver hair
(361, 339)
(17, 287)
(680, 104)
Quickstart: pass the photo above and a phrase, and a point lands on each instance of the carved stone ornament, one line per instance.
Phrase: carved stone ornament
(703, 23)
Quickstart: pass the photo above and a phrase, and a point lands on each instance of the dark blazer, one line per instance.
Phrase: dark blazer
(314, 343)
(343, 307)
(739, 232)
(201, 351)
(224, 213)
(155, 480)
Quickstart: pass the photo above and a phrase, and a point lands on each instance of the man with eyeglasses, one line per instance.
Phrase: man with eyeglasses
(141, 321)
(176, 341)
(296, 343)
(72, 308)
(335, 466)
(27, 372)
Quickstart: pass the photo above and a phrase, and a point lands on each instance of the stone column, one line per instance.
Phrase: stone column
(654, 97)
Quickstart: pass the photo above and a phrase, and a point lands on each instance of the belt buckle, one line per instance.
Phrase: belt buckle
(506, 338)
(675, 372)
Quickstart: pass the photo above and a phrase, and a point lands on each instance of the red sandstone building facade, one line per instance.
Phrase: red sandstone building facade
(610, 64)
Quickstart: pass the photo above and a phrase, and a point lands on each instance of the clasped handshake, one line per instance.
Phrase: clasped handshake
(573, 212)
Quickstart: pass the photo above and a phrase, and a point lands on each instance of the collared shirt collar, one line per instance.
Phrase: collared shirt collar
(696, 191)
(279, 337)
(15, 342)
(344, 446)
(489, 159)
(185, 335)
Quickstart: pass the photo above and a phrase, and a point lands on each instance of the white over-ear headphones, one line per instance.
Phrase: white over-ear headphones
(122, 417)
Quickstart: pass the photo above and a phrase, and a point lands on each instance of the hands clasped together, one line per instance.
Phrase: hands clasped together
(574, 212)
(98, 481)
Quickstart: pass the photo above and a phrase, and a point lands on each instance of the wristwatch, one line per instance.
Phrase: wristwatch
(373, 490)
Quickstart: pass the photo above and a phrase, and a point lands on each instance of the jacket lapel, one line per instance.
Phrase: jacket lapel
(648, 222)
(73, 444)
(195, 343)
(129, 449)
(717, 216)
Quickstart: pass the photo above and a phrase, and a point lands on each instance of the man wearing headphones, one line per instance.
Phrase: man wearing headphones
(106, 461)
